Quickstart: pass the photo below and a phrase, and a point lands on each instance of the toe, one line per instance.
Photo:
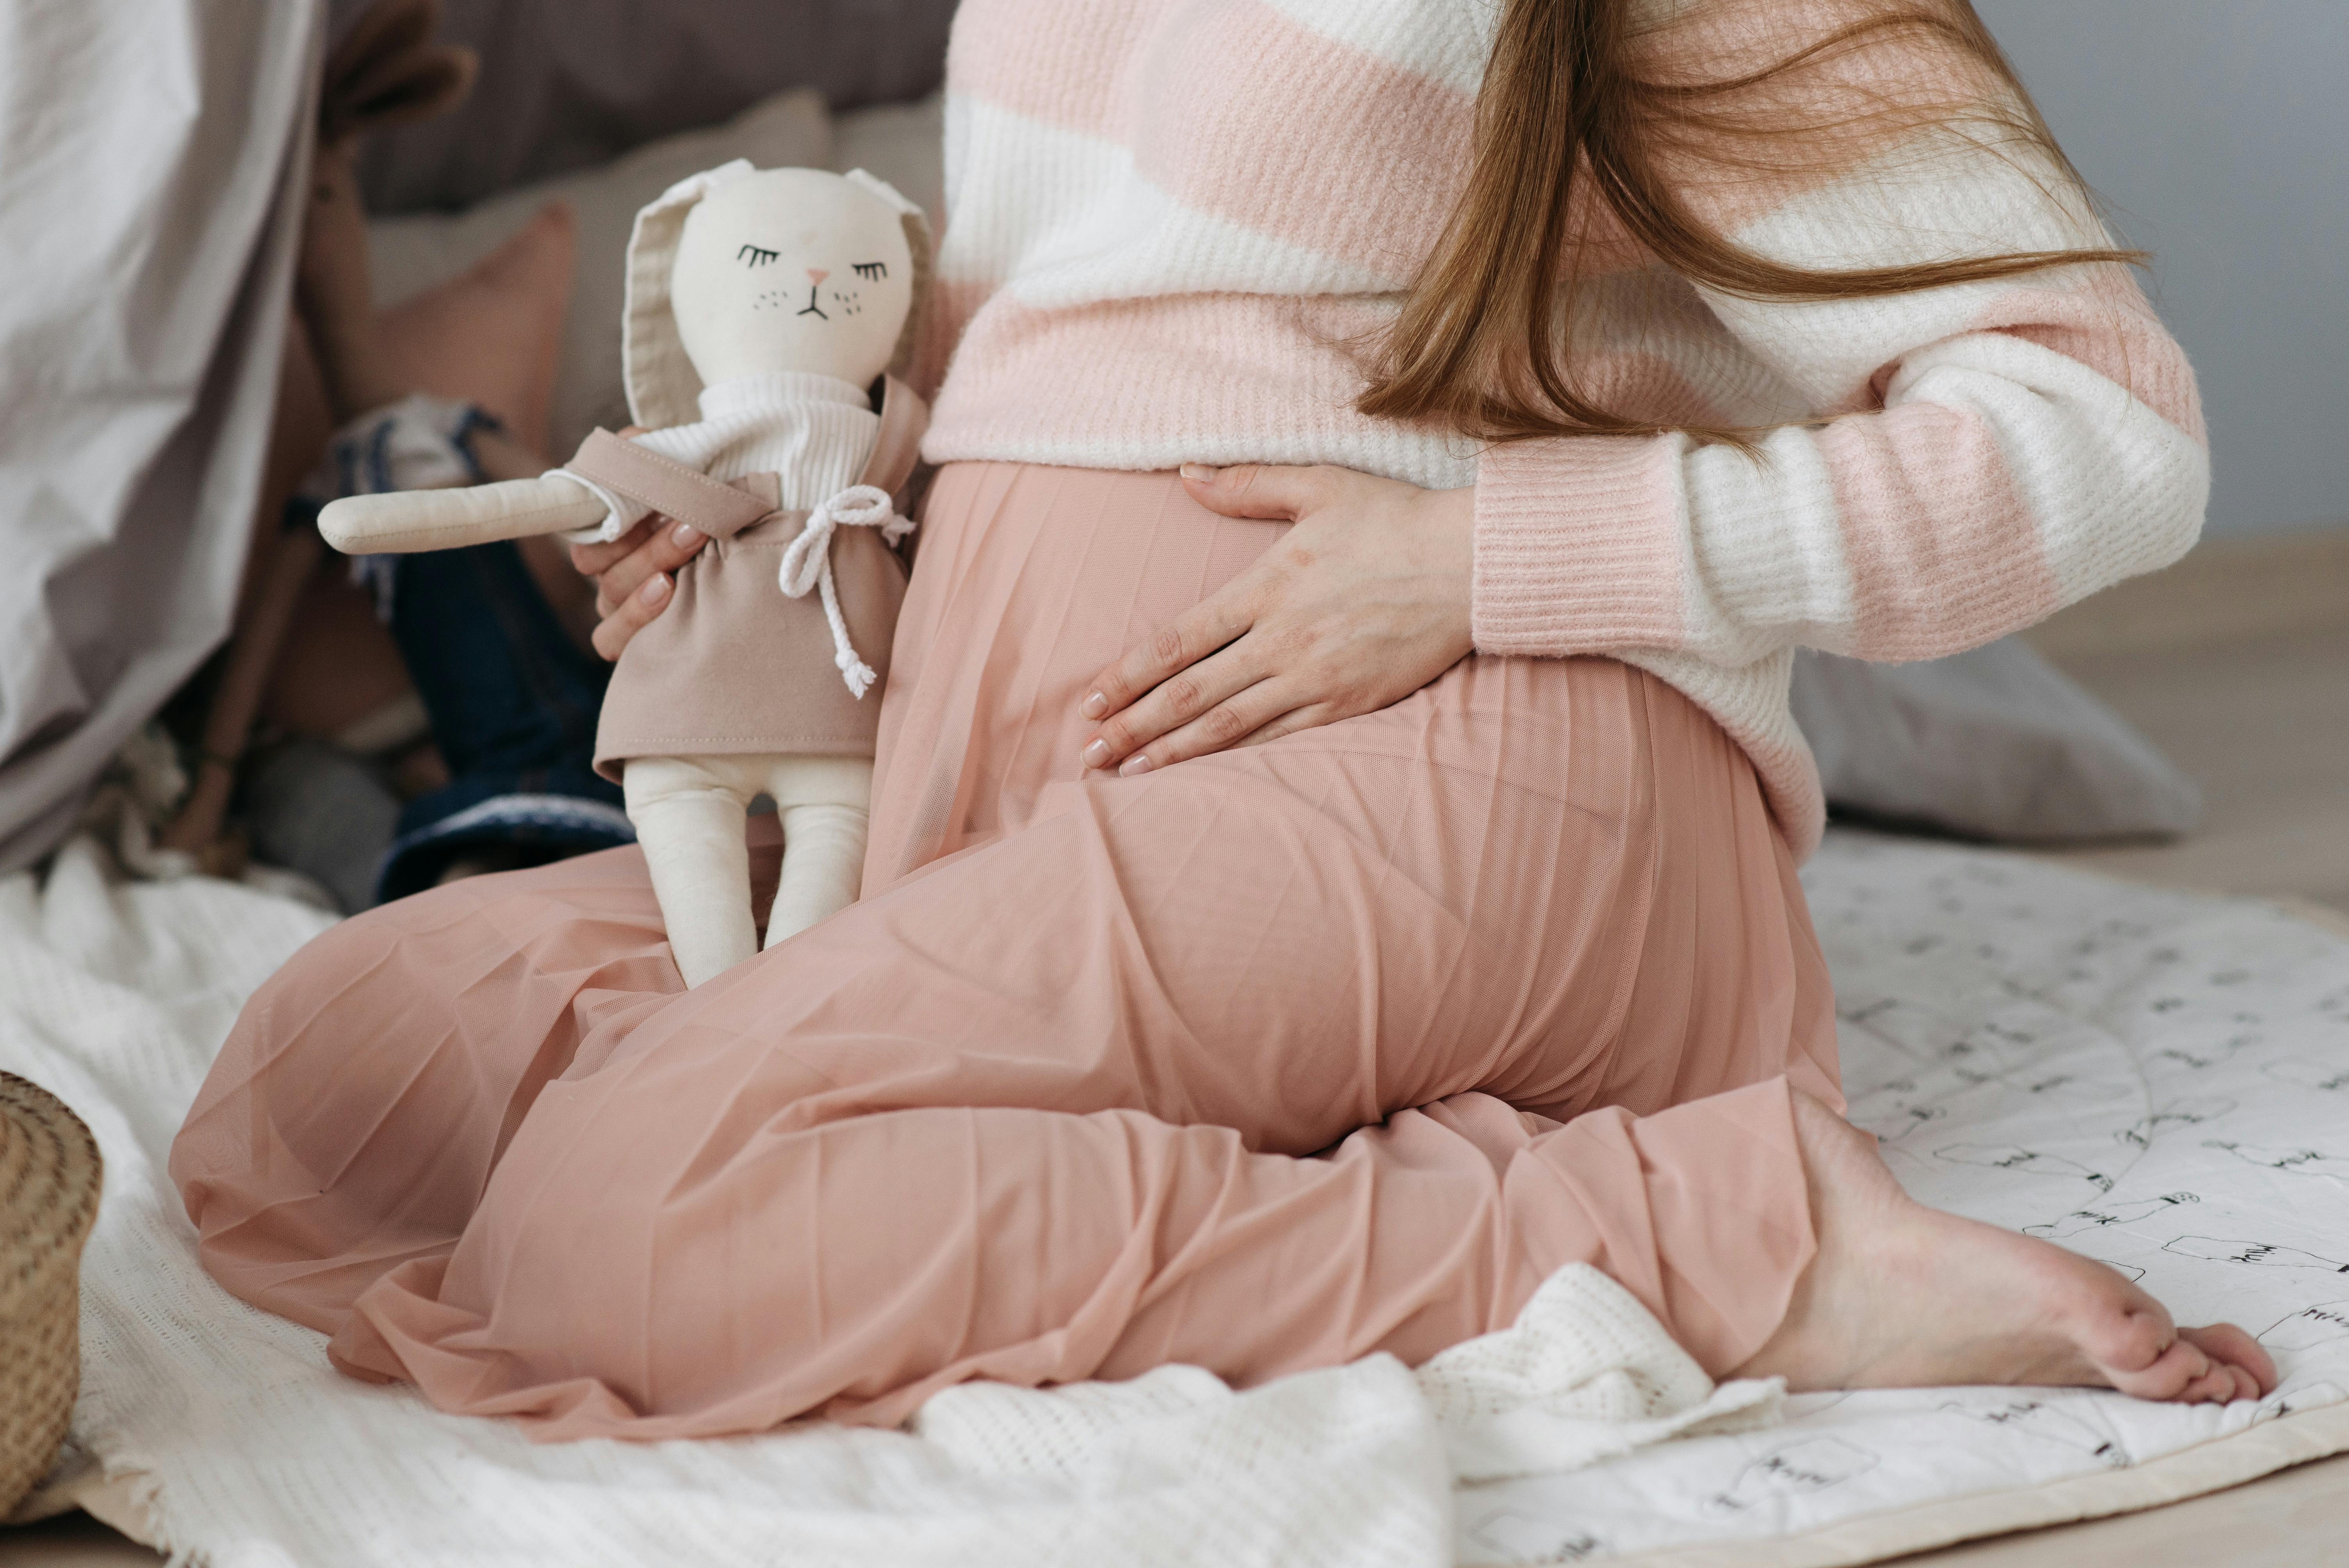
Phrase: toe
(2131, 1340)
(2215, 1387)
(2172, 1376)
(2223, 1342)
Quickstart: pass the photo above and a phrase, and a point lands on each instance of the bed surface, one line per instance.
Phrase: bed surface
(2155, 1079)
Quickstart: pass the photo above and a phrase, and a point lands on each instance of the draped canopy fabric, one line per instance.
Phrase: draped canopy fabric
(151, 156)
(148, 156)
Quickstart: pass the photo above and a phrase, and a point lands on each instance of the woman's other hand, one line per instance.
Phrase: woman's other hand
(1361, 603)
(632, 573)
(633, 579)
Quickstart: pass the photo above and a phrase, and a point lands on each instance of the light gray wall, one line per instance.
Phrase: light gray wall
(2217, 130)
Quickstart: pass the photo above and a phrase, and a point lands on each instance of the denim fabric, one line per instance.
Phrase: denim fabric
(513, 705)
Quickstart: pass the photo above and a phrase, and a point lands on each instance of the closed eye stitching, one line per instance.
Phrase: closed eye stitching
(872, 269)
(755, 255)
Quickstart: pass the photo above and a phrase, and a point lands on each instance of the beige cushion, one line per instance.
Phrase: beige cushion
(492, 334)
(413, 253)
(902, 143)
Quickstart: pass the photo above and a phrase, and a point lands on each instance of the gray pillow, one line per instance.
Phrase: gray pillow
(1991, 744)
(570, 84)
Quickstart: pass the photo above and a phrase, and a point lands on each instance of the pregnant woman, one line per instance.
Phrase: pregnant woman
(1316, 893)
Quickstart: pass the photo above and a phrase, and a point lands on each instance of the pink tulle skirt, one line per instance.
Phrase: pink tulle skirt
(1261, 1061)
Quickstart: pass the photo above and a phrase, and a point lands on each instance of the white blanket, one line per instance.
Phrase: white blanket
(2154, 1079)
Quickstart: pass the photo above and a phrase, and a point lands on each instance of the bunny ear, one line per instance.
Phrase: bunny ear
(917, 243)
(387, 71)
(663, 387)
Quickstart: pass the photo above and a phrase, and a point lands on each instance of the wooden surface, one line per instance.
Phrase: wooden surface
(2237, 664)
(2227, 590)
(2264, 725)
(2293, 1518)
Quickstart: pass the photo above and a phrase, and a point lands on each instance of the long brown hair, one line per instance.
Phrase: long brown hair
(1586, 124)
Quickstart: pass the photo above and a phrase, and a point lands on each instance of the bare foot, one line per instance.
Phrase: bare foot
(1903, 1296)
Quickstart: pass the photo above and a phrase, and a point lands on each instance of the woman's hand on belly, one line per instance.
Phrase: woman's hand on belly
(1361, 603)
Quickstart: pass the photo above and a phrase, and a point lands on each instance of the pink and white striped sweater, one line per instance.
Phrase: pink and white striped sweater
(1167, 218)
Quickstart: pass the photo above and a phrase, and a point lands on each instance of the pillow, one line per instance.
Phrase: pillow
(567, 84)
(904, 143)
(414, 252)
(487, 334)
(1991, 744)
(490, 334)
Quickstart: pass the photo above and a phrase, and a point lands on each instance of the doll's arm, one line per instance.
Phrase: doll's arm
(401, 521)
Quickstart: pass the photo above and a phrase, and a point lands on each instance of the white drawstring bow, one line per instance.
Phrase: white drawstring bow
(808, 565)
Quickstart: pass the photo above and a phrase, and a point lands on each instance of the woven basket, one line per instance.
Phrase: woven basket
(49, 1196)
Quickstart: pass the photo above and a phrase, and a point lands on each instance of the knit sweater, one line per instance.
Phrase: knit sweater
(813, 433)
(1171, 223)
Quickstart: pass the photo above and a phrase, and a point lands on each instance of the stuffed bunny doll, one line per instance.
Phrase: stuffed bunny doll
(761, 306)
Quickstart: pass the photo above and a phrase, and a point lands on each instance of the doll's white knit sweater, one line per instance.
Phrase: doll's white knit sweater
(813, 432)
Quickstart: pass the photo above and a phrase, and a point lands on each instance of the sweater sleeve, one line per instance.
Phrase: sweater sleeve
(1977, 456)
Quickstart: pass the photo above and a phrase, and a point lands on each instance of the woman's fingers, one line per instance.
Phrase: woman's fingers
(1264, 711)
(1213, 624)
(1260, 490)
(594, 560)
(660, 546)
(1197, 710)
(630, 615)
(1310, 717)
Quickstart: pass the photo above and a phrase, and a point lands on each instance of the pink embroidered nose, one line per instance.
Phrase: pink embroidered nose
(817, 274)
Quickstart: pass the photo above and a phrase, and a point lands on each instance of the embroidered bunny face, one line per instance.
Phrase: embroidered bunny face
(792, 269)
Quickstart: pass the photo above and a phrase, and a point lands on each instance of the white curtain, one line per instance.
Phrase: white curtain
(152, 154)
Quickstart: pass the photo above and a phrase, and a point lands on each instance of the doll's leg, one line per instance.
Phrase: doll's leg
(822, 801)
(689, 813)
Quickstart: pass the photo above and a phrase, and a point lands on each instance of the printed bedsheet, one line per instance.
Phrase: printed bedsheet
(2158, 1080)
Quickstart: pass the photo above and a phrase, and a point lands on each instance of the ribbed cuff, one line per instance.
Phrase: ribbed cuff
(1577, 546)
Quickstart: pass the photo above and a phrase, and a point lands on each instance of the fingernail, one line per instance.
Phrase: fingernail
(1198, 472)
(655, 591)
(1093, 707)
(1097, 754)
(1133, 766)
(686, 535)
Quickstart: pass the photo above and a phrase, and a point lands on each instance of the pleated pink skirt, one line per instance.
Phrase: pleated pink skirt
(1263, 1061)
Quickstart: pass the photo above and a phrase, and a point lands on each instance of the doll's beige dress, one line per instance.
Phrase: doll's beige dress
(734, 665)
